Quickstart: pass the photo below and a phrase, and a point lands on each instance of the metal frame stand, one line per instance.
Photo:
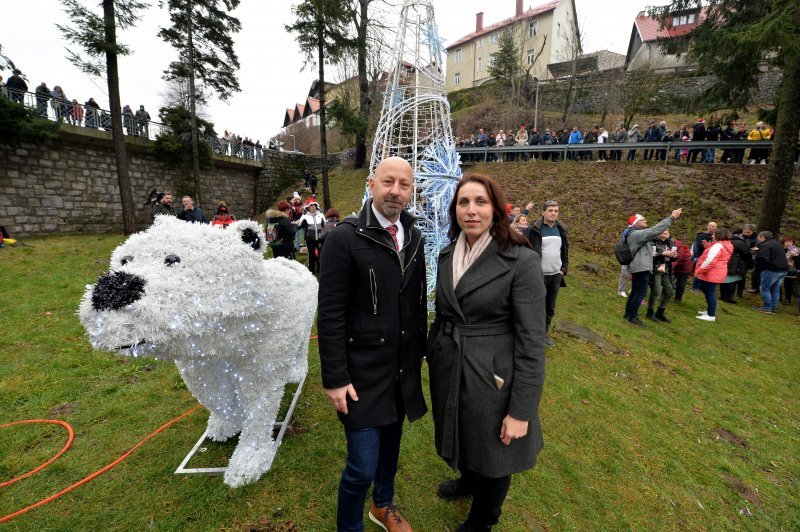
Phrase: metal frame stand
(281, 425)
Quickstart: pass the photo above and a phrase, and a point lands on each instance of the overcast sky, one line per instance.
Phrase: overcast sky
(271, 74)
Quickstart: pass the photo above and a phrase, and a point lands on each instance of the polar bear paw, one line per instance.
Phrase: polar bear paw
(221, 429)
(248, 464)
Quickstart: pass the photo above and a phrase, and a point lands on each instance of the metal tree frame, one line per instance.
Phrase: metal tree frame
(415, 125)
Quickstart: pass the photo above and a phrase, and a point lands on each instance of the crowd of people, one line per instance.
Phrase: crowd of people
(160, 203)
(54, 103)
(654, 132)
(720, 260)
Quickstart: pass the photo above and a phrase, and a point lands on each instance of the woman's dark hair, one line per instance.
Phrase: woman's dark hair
(722, 234)
(501, 230)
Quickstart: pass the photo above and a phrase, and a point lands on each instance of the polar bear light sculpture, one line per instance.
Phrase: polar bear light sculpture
(236, 326)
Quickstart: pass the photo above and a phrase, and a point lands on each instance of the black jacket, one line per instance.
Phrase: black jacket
(372, 319)
(193, 215)
(741, 260)
(771, 256)
(283, 243)
(659, 258)
(534, 235)
(699, 132)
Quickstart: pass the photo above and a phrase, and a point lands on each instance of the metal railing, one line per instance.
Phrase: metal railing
(656, 151)
(71, 112)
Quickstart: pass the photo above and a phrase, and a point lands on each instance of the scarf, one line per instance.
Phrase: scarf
(464, 256)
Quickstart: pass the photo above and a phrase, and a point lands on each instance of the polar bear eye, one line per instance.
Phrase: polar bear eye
(126, 259)
(172, 259)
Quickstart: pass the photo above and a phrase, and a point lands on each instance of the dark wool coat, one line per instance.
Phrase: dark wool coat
(372, 319)
(493, 323)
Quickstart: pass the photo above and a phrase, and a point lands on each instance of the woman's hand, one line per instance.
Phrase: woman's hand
(512, 429)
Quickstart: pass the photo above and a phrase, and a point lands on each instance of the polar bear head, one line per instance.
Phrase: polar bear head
(176, 290)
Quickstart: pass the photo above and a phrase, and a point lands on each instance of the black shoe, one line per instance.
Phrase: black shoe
(549, 342)
(453, 489)
(652, 317)
(466, 526)
(660, 317)
(636, 321)
(677, 300)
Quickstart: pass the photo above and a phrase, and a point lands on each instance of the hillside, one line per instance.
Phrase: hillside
(596, 199)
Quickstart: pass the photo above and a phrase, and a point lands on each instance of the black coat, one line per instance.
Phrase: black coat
(195, 214)
(741, 260)
(283, 244)
(771, 256)
(534, 235)
(491, 324)
(372, 319)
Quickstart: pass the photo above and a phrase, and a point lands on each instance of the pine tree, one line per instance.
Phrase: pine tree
(736, 37)
(202, 33)
(320, 29)
(97, 36)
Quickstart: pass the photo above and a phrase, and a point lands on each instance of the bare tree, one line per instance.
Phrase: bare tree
(573, 35)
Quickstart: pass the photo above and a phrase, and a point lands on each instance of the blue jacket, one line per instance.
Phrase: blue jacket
(576, 137)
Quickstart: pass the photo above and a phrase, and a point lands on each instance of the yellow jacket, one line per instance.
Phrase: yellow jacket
(758, 135)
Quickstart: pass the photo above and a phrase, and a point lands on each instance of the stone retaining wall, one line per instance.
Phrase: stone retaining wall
(70, 186)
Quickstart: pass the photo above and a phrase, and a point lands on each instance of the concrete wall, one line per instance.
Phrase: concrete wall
(70, 186)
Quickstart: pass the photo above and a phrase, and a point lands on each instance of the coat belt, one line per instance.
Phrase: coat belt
(457, 331)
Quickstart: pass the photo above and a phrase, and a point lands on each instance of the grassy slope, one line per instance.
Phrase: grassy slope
(632, 438)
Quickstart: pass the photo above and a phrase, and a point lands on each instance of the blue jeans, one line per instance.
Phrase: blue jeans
(771, 288)
(639, 282)
(710, 291)
(372, 455)
(711, 153)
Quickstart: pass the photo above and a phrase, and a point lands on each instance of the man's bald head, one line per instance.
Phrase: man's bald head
(391, 186)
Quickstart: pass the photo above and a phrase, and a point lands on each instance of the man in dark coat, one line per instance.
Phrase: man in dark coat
(190, 213)
(16, 86)
(771, 261)
(162, 205)
(698, 135)
(548, 237)
(372, 323)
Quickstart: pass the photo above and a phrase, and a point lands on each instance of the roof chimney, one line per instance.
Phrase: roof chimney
(519, 7)
(479, 22)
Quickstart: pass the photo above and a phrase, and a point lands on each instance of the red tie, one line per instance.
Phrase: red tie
(393, 231)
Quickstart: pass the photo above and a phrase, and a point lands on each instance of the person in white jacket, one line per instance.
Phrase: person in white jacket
(312, 221)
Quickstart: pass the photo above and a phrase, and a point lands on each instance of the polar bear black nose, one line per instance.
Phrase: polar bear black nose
(114, 290)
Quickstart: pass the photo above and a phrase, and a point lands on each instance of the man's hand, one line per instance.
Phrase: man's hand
(529, 206)
(338, 397)
(512, 429)
(677, 213)
(563, 274)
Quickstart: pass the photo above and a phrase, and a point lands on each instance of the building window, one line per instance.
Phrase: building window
(683, 20)
(492, 59)
(533, 29)
(458, 55)
(493, 38)
(531, 57)
(457, 79)
(690, 20)
(676, 21)
(480, 42)
(480, 64)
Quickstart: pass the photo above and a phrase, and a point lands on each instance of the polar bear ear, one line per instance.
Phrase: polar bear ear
(251, 234)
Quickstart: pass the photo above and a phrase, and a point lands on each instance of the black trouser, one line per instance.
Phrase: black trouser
(551, 283)
(755, 280)
(788, 288)
(631, 155)
(726, 291)
(487, 500)
(313, 260)
(680, 285)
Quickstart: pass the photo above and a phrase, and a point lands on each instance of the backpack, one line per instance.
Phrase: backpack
(622, 252)
(327, 228)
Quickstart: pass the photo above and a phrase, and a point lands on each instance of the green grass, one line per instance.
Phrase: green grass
(631, 439)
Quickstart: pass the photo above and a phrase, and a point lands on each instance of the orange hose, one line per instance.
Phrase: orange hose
(93, 475)
(71, 436)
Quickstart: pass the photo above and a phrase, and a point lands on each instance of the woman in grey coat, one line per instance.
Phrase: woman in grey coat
(486, 352)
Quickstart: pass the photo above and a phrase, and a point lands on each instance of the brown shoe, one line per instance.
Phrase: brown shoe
(389, 519)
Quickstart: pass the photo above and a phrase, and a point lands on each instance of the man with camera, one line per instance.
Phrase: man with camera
(159, 203)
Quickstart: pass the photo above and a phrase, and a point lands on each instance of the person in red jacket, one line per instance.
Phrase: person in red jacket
(682, 268)
(711, 270)
(223, 218)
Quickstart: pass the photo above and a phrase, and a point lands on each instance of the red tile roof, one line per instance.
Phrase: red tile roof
(312, 105)
(532, 12)
(648, 27)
